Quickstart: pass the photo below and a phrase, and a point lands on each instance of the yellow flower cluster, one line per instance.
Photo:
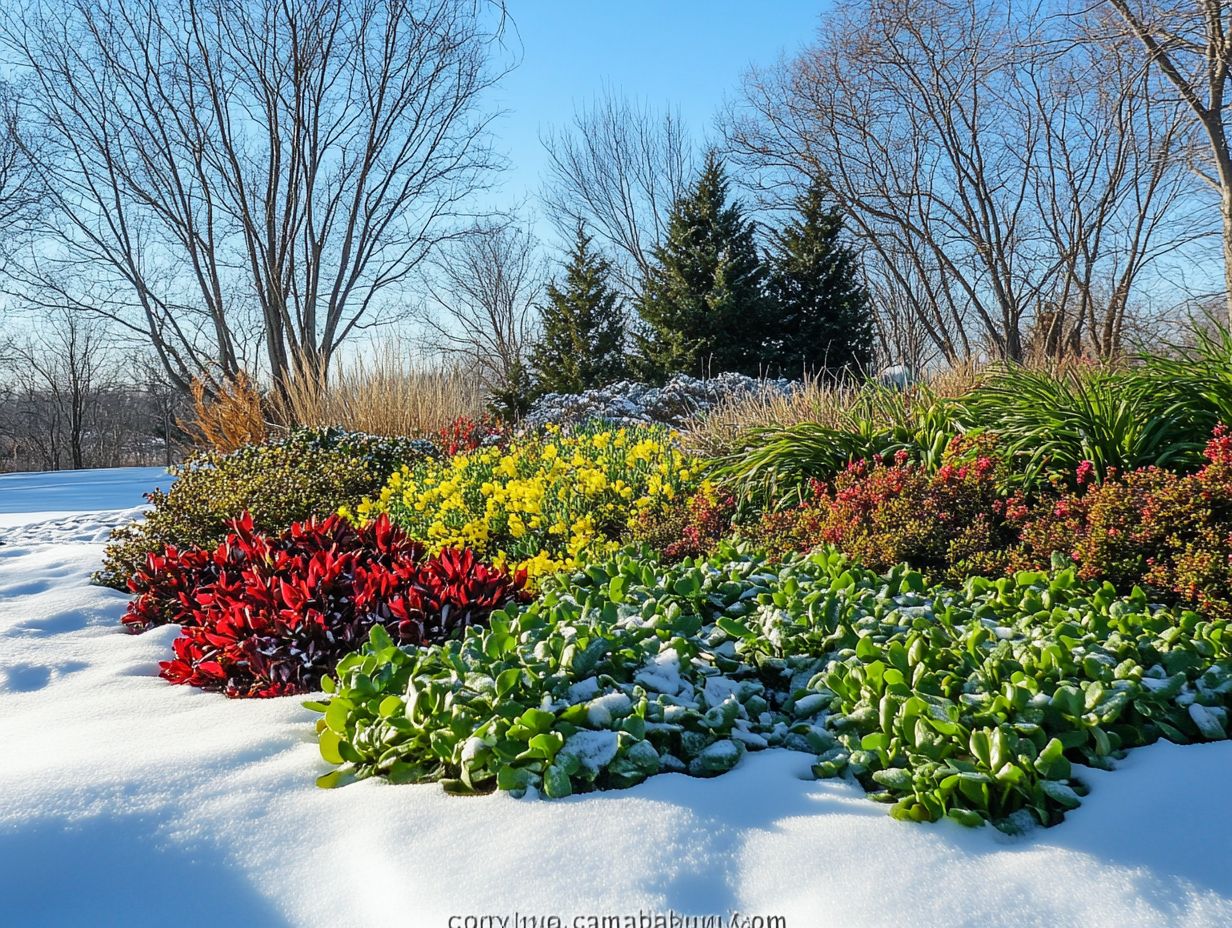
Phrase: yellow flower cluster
(544, 502)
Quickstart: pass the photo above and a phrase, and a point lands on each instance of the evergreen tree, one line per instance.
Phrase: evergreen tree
(822, 319)
(703, 302)
(513, 397)
(583, 327)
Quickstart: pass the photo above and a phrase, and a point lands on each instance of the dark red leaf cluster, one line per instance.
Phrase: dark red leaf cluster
(270, 614)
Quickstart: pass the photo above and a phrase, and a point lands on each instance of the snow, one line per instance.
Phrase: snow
(601, 711)
(72, 505)
(661, 673)
(127, 801)
(593, 749)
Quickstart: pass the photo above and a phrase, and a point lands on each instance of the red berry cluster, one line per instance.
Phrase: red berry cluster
(952, 520)
(691, 527)
(1168, 531)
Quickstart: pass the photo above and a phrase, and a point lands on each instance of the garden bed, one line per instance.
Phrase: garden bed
(127, 801)
(907, 606)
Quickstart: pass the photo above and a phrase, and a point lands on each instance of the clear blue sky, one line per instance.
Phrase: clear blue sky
(684, 53)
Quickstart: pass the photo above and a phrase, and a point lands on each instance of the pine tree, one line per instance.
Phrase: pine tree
(704, 300)
(583, 327)
(513, 397)
(822, 320)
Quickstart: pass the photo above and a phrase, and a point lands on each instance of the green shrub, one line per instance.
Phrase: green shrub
(309, 472)
(1192, 384)
(970, 702)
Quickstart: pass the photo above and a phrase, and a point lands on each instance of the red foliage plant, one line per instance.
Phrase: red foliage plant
(466, 434)
(1172, 532)
(270, 614)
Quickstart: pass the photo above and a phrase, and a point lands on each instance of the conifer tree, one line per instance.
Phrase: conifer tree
(822, 320)
(582, 344)
(703, 304)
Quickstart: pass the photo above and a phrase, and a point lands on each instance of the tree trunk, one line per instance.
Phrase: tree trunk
(1225, 209)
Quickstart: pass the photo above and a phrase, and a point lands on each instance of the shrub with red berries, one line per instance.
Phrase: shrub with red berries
(953, 521)
(1170, 532)
(692, 526)
(270, 614)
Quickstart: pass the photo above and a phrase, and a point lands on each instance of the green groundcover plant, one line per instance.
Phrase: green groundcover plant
(309, 472)
(970, 702)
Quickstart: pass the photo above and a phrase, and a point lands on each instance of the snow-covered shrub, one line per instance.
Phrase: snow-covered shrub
(969, 702)
(268, 615)
(310, 472)
(629, 403)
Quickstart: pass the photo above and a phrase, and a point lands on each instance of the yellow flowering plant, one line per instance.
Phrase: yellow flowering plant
(544, 502)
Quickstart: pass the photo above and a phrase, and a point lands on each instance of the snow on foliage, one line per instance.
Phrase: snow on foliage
(628, 402)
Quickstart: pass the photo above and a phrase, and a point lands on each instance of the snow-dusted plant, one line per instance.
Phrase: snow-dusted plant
(630, 403)
(971, 702)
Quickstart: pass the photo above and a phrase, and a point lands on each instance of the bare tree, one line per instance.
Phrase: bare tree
(20, 193)
(989, 180)
(617, 169)
(71, 396)
(283, 165)
(61, 372)
(165, 404)
(483, 287)
(1189, 43)
(1109, 182)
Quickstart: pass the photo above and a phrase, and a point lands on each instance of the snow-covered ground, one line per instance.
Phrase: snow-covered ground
(73, 505)
(127, 801)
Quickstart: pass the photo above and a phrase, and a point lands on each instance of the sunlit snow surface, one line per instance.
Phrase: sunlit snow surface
(67, 504)
(127, 801)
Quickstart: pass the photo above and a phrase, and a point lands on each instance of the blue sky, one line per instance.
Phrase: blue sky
(685, 53)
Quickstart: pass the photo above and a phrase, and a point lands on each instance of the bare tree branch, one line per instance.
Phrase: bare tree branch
(995, 188)
(483, 294)
(287, 164)
(617, 169)
(1189, 43)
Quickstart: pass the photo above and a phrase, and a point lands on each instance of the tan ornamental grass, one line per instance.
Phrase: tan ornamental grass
(391, 392)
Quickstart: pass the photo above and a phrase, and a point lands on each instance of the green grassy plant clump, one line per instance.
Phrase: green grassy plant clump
(310, 472)
(1192, 383)
(1046, 422)
(775, 466)
(971, 702)
(1050, 422)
